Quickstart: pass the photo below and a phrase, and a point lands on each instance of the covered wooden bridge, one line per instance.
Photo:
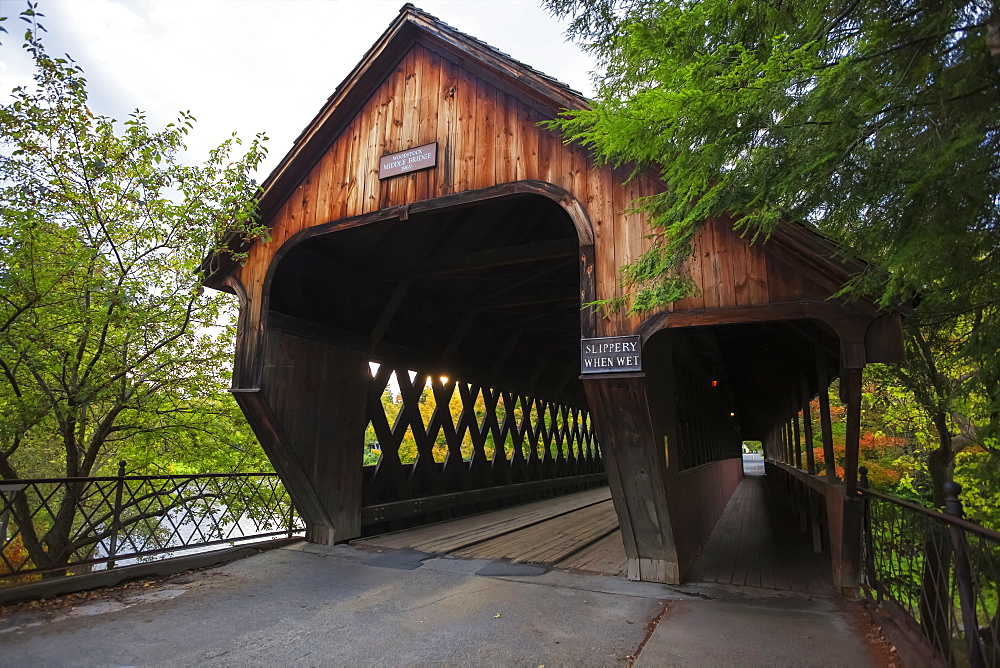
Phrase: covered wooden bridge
(422, 299)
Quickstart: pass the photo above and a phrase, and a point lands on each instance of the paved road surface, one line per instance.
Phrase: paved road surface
(753, 464)
(314, 605)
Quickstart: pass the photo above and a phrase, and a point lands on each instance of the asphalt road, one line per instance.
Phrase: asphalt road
(316, 605)
(753, 464)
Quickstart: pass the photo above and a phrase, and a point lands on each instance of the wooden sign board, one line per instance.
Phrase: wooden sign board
(410, 160)
(611, 354)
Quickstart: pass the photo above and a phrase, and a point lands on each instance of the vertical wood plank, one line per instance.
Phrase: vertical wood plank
(466, 94)
(527, 165)
(444, 174)
(851, 381)
(826, 426)
(428, 72)
(807, 426)
(725, 241)
(508, 148)
(695, 267)
(360, 148)
(410, 128)
(484, 171)
(601, 217)
(378, 137)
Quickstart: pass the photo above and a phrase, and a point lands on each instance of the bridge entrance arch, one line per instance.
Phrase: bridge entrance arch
(441, 340)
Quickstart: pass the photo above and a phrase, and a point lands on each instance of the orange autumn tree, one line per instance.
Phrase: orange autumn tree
(885, 449)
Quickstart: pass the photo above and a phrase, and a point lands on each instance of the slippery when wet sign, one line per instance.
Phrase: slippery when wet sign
(611, 354)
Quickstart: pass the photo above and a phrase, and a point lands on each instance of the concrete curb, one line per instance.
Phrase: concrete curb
(74, 583)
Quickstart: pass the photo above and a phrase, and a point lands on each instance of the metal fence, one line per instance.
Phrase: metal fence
(937, 573)
(58, 526)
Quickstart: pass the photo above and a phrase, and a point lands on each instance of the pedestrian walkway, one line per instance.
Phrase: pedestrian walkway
(756, 544)
(339, 605)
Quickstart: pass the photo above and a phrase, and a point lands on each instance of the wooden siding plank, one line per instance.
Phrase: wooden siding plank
(753, 288)
(527, 164)
(466, 95)
(410, 126)
(484, 173)
(444, 173)
(783, 283)
(358, 166)
(600, 209)
(725, 243)
(549, 156)
(377, 191)
(619, 202)
(508, 139)
(428, 73)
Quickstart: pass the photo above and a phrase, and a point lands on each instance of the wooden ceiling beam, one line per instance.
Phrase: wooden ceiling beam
(389, 312)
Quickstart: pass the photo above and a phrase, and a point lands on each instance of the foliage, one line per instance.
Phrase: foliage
(109, 347)
(897, 441)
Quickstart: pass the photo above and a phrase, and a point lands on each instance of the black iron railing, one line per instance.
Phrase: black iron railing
(937, 573)
(57, 526)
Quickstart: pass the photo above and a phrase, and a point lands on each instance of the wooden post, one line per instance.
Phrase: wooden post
(963, 577)
(309, 415)
(830, 461)
(807, 427)
(790, 441)
(851, 381)
(786, 445)
(637, 472)
(852, 357)
(797, 439)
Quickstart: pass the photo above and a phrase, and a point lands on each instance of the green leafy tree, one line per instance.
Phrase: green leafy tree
(109, 347)
(877, 121)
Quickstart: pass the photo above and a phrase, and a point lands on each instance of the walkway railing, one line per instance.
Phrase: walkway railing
(58, 526)
(937, 573)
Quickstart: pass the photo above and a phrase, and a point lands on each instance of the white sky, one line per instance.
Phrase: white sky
(248, 66)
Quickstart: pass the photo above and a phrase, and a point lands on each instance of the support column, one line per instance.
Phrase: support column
(850, 381)
(826, 427)
(796, 438)
(807, 427)
(309, 415)
(852, 357)
(637, 473)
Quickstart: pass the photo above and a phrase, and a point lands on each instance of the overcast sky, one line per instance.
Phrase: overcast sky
(251, 66)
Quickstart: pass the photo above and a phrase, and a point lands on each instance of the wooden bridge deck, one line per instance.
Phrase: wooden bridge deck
(578, 531)
(756, 544)
(750, 546)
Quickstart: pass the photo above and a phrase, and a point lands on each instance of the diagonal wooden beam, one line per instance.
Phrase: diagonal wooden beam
(388, 311)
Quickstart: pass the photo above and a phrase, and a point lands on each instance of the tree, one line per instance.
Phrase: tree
(877, 121)
(109, 347)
